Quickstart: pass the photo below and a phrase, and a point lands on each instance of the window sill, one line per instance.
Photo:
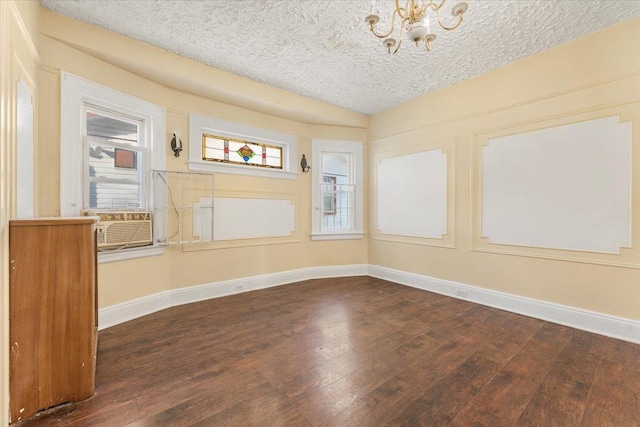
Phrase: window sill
(126, 254)
(337, 236)
(241, 170)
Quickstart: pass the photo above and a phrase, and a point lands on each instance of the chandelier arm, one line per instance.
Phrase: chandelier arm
(398, 47)
(433, 5)
(444, 27)
(400, 38)
(393, 27)
(402, 11)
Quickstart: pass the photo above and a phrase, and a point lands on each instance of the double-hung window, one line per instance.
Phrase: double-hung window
(109, 143)
(337, 189)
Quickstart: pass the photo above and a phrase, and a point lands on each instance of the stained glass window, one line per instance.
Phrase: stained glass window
(229, 150)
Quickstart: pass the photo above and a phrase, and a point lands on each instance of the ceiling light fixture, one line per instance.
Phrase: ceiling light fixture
(416, 18)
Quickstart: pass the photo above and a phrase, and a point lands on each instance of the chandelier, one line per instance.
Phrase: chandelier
(416, 19)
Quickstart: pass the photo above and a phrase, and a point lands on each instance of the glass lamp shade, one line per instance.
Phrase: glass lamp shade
(417, 31)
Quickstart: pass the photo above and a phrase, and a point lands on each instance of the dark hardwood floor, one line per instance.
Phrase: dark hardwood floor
(354, 352)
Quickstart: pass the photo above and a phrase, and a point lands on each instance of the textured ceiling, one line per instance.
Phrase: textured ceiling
(322, 48)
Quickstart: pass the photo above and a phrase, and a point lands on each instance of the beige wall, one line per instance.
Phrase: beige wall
(18, 62)
(591, 77)
(68, 45)
(588, 76)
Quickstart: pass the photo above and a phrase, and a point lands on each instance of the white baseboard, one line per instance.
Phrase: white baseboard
(129, 310)
(123, 312)
(599, 323)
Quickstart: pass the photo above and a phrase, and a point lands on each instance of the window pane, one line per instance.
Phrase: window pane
(213, 154)
(112, 129)
(213, 148)
(274, 156)
(113, 163)
(274, 162)
(329, 195)
(338, 165)
(341, 217)
(337, 192)
(213, 142)
(106, 195)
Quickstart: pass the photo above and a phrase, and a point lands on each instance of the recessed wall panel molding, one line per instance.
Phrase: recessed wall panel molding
(412, 194)
(560, 188)
(243, 219)
(414, 198)
(236, 218)
(565, 187)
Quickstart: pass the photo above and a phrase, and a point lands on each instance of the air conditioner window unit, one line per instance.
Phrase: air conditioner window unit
(122, 229)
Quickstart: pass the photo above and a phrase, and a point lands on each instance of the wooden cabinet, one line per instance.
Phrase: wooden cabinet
(53, 312)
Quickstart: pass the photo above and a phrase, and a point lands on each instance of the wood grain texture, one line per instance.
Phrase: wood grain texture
(57, 221)
(440, 404)
(53, 316)
(353, 352)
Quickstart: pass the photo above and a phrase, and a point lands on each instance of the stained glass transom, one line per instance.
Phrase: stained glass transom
(229, 150)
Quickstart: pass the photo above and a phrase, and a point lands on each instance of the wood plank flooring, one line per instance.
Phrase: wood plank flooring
(353, 352)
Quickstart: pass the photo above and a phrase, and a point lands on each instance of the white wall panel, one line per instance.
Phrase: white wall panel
(247, 218)
(565, 187)
(412, 194)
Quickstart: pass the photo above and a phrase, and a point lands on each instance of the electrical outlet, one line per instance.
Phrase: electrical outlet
(239, 287)
(461, 294)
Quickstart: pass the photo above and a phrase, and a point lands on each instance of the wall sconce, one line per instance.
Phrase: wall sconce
(303, 164)
(176, 143)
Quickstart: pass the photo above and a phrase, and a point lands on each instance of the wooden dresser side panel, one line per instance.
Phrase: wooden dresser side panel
(52, 316)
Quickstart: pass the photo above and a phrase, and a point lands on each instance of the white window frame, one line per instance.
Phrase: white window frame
(199, 125)
(75, 95)
(355, 149)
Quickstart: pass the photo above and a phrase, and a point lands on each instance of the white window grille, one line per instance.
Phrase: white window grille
(338, 210)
